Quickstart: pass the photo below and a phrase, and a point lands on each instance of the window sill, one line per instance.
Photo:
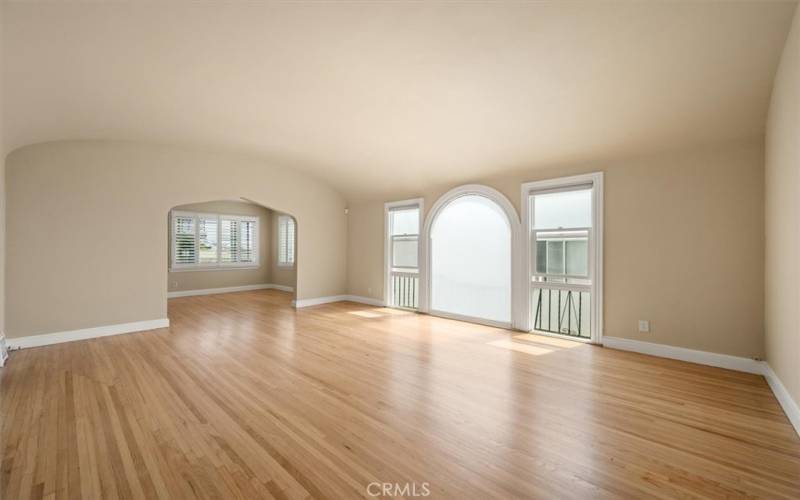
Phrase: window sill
(215, 268)
(288, 266)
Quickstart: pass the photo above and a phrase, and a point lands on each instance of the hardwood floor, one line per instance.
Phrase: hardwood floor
(243, 397)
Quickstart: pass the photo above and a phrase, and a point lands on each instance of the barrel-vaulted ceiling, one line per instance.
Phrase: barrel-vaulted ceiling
(389, 96)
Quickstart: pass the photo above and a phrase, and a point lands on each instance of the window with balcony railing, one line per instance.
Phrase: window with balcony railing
(403, 261)
(561, 278)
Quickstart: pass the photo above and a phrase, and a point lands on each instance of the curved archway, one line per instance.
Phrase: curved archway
(230, 245)
(471, 236)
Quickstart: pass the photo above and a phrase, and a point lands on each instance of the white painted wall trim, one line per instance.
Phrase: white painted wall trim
(3, 350)
(789, 405)
(365, 300)
(692, 356)
(229, 289)
(298, 304)
(86, 333)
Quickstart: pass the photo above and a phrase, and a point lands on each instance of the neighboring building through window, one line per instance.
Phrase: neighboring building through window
(207, 241)
(286, 239)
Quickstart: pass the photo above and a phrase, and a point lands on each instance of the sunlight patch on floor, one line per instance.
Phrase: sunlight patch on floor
(379, 312)
(551, 341)
(520, 347)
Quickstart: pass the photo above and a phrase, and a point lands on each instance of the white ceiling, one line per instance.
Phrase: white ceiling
(388, 97)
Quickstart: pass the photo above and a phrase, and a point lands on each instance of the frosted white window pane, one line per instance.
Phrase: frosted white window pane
(564, 209)
(555, 257)
(577, 257)
(404, 251)
(405, 221)
(471, 259)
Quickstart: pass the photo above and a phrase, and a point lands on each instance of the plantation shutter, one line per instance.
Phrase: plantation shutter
(207, 239)
(230, 241)
(286, 237)
(247, 244)
(185, 242)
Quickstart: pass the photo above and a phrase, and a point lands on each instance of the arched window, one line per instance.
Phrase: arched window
(470, 244)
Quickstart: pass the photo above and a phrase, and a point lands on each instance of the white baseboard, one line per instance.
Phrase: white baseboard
(229, 289)
(789, 405)
(701, 357)
(365, 300)
(3, 350)
(86, 333)
(336, 298)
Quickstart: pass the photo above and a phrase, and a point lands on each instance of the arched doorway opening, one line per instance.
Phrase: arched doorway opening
(470, 236)
(227, 246)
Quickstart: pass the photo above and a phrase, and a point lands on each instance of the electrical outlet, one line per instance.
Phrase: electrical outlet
(175, 284)
(644, 326)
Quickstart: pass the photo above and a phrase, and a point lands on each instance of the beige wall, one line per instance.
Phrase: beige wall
(783, 218)
(279, 275)
(683, 245)
(87, 227)
(220, 278)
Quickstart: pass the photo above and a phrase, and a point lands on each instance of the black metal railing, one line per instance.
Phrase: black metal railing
(561, 311)
(405, 290)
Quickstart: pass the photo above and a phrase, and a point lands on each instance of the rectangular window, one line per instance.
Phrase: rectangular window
(286, 240)
(212, 241)
(403, 253)
(565, 240)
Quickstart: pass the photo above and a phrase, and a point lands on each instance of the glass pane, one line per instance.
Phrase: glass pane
(541, 257)
(577, 257)
(555, 257)
(566, 209)
(562, 252)
(404, 221)
(471, 259)
(208, 241)
(404, 251)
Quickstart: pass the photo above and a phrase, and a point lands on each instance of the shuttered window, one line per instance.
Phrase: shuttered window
(184, 243)
(210, 241)
(286, 239)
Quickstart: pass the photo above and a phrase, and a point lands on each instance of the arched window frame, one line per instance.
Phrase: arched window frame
(517, 308)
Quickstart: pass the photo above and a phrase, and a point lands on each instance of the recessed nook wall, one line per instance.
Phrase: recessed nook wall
(261, 269)
(87, 227)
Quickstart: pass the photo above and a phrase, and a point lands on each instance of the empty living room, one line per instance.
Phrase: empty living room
(445, 249)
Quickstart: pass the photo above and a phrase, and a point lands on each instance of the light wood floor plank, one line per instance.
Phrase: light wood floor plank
(245, 397)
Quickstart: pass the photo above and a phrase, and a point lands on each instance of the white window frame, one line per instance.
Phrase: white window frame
(517, 280)
(388, 207)
(283, 240)
(595, 246)
(219, 265)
